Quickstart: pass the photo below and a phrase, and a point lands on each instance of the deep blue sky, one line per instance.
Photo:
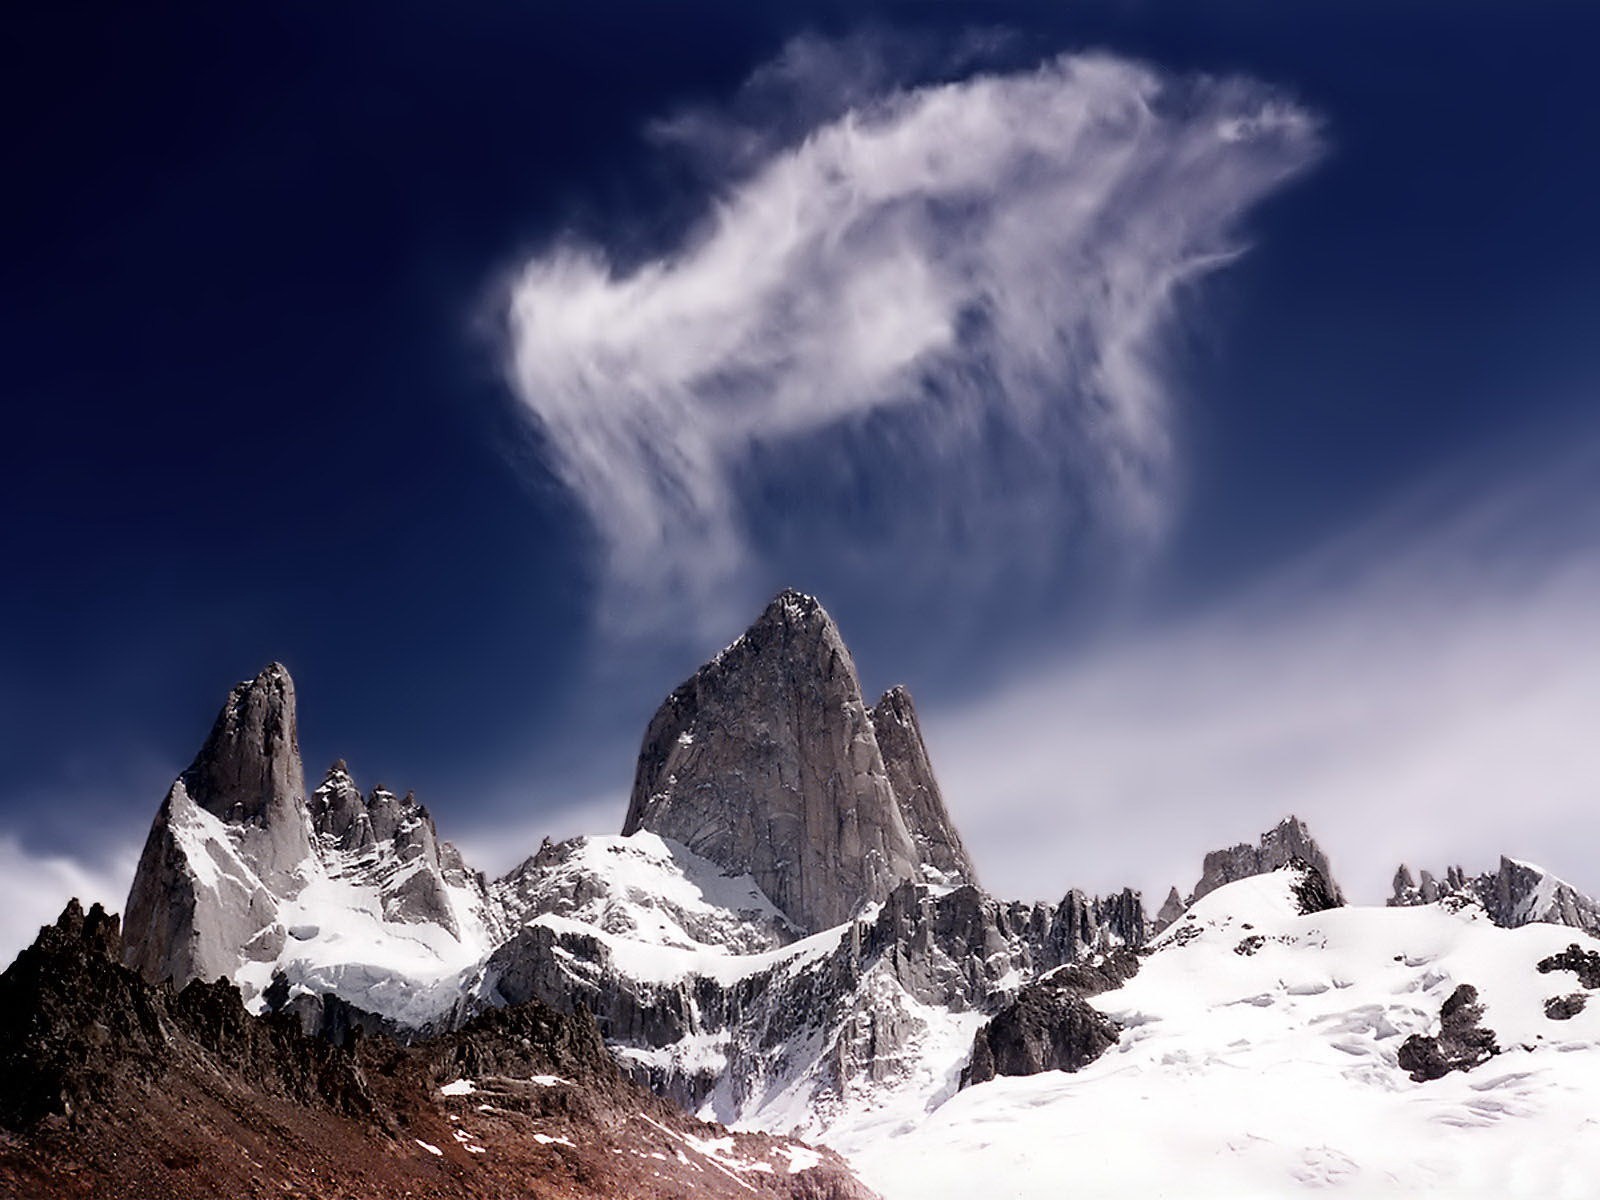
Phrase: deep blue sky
(255, 407)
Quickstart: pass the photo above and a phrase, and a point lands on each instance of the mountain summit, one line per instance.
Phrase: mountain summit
(767, 762)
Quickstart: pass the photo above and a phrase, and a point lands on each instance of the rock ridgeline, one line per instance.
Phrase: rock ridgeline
(1515, 893)
(114, 1087)
(767, 762)
(1278, 847)
(237, 840)
(770, 803)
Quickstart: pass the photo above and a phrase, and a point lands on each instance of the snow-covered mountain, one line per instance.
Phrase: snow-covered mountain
(788, 936)
(1263, 1050)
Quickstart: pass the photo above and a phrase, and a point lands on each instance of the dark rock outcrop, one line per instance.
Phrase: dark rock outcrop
(905, 758)
(1288, 840)
(1585, 964)
(1312, 889)
(1564, 1008)
(1045, 1029)
(1461, 1043)
(766, 763)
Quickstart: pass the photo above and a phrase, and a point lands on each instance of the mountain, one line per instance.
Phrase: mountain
(113, 1087)
(1264, 1049)
(1286, 842)
(788, 936)
(1516, 893)
(767, 762)
(245, 877)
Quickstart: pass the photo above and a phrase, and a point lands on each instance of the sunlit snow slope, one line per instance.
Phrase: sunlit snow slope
(1258, 1059)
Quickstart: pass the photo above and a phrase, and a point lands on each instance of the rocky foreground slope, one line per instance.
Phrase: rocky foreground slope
(113, 1087)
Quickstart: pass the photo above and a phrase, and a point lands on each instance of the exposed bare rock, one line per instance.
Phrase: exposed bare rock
(413, 874)
(905, 757)
(1460, 1044)
(1585, 964)
(848, 1019)
(1288, 840)
(766, 763)
(1171, 909)
(249, 774)
(196, 910)
(241, 869)
(1050, 1026)
(1564, 1008)
(1515, 893)
(230, 839)
(114, 1088)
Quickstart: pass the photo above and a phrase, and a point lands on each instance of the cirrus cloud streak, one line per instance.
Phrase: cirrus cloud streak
(989, 260)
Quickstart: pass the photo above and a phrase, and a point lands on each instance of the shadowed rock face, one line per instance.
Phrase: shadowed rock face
(905, 757)
(249, 773)
(766, 762)
(1048, 1028)
(236, 841)
(183, 924)
(1460, 1045)
(1278, 847)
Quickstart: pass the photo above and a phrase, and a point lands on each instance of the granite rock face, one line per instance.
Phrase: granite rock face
(766, 763)
(1278, 847)
(196, 910)
(393, 842)
(905, 758)
(836, 1023)
(249, 774)
(230, 840)
(1045, 1029)
(1515, 893)
(240, 866)
(1171, 909)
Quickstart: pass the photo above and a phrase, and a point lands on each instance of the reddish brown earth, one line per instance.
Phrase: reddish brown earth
(111, 1088)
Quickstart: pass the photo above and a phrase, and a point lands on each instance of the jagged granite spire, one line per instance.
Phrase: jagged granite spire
(905, 757)
(765, 762)
(1171, 909)
(1288, 840)
(249, 773)
(186, 922)
(1515, 893)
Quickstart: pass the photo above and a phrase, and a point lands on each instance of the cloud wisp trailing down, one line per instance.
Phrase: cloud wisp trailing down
(978, 272)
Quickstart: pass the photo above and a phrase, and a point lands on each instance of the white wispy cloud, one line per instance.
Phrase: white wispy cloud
(34, 888)
(1426, 689)
(978, 272)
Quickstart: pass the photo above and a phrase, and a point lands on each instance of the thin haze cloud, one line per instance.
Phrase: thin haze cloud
(1425, 689)
(981, 262)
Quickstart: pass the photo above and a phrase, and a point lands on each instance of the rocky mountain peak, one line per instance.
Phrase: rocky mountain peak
(1515, 893)
(1279, 846)
(905, 757)
(766, 762)
(249, 772)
